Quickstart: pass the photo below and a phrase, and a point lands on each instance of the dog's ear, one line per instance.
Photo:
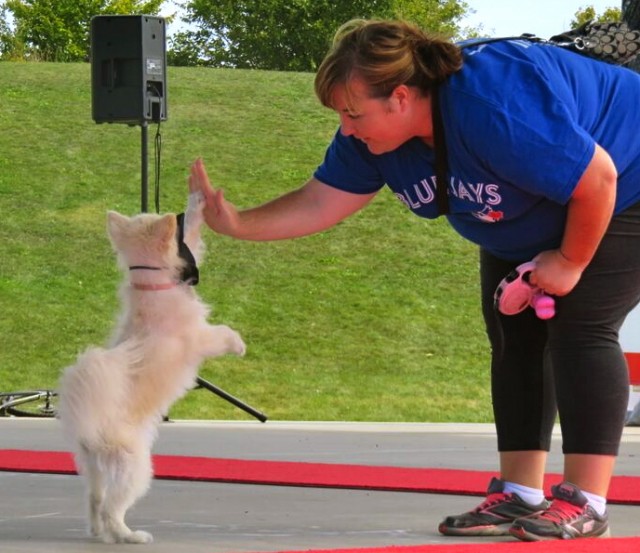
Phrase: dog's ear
(167, 227)
(115, 223)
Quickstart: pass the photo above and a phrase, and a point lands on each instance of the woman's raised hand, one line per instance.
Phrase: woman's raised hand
(220, 215)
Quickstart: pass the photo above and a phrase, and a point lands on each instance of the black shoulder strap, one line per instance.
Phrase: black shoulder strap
(472, 43)
(440, 148)
(439, 142)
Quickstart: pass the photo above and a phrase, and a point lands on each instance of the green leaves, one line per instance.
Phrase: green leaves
(290, 35)
(58, 30)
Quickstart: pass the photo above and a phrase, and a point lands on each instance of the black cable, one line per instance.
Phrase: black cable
(157, 143)
(157, 159)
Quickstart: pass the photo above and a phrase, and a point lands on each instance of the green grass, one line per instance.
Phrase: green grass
(375, 320)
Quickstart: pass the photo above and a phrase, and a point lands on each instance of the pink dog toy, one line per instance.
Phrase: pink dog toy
(515, 293)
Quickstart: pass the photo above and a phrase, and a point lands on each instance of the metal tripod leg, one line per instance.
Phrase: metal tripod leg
(231, 399)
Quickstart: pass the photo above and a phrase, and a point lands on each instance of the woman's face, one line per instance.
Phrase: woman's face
(381, 123)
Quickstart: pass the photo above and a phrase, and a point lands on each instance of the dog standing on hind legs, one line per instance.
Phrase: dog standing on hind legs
(112, 399)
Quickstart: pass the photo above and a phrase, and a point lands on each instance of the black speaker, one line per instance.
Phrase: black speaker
(128, 69)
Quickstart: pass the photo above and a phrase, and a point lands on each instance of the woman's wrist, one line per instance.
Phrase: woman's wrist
(570, 260)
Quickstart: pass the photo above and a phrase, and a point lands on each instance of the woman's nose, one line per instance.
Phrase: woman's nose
(346, 126)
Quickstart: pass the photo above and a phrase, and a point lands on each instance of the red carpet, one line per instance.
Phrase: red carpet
(624, 489)
(612, 545)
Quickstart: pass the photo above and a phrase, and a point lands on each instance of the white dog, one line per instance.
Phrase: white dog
(112, 400)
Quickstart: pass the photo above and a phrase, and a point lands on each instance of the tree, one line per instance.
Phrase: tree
(8, 45)
(441, 16)
(291, 35)
(268, 34)
(58, 30)
(589, 14)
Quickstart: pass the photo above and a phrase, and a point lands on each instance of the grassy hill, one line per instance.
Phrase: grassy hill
(377, 319)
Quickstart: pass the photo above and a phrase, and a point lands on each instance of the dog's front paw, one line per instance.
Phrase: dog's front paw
(193, 216)
(193, 220)
(196, 200)
(236, 343)
(195, 204)
(222, 340)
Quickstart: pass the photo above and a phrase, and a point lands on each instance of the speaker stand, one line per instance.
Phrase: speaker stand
(144, 201)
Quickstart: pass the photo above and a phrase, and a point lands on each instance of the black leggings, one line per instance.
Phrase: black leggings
(571, 364)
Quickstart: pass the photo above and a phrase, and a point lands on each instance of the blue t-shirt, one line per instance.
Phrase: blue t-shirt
(521, 121)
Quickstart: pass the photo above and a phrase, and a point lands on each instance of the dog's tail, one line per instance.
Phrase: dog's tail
(93, 391)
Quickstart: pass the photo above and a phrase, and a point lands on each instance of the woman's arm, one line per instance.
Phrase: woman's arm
(311, 208)
(589, 211)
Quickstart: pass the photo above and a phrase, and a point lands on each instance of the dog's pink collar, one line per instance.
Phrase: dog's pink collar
(150, 287)
(153, 287)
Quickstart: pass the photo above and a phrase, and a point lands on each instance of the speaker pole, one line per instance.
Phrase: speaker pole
(144, 169)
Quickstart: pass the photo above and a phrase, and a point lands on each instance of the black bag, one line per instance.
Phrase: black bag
(611, 41)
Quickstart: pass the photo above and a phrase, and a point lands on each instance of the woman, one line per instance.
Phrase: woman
(543, 160)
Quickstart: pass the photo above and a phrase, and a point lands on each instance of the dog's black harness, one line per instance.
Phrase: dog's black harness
(190, 274)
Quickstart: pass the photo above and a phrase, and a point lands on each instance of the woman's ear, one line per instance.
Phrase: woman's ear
(400, 97)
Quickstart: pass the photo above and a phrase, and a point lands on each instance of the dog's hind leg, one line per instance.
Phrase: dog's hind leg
(129, 480)
(88, 465)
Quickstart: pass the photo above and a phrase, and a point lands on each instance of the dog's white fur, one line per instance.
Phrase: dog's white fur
(112, 400)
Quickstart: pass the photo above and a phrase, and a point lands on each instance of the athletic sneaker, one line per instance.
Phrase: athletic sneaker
(493, 517)
(570, 516)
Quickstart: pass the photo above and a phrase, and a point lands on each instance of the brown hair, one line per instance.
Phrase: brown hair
(385, 54)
